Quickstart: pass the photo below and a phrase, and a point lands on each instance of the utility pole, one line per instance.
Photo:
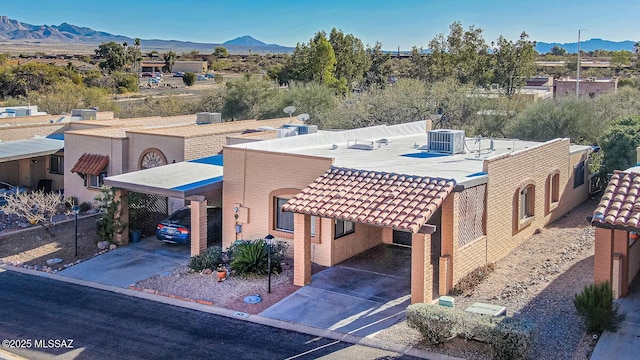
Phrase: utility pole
(578, 68)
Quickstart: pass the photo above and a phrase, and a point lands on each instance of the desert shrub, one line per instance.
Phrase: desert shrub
(85, 206)
(210, 259)
(251, 257)
(511, 338)
(471, 280)
(218, 78)
(189, 78)
(595, 305)
(437, 324)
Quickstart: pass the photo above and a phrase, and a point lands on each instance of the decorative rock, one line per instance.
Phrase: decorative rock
(54, 261)
(207, 271)
(112, 247)
(103, 245)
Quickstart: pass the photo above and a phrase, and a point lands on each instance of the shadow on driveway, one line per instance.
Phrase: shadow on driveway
(360, 296)
(129, 264)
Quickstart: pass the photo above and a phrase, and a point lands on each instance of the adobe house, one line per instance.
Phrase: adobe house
(617, 225)
(458, 202)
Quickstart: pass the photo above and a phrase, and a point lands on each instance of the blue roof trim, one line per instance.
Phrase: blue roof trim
(424, 155)
(480, 173)
(198, 184)
(56, 136)
(211, 160)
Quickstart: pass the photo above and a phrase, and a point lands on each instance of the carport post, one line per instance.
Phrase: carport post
(198, 224)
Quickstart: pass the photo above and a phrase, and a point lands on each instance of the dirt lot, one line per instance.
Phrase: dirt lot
(35, 245)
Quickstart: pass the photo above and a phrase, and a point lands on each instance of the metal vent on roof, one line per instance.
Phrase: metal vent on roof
(360, 145)
(445, 141)
(208, 118)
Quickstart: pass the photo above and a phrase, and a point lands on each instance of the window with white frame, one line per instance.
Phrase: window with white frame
(527, 202)
(95, 181)
(343, 228)
(56, 164)
(284, 219)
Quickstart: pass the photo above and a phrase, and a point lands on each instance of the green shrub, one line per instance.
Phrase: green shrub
(595, 305)
(511, 338)
(210, 259)
(85, 206)
(251, 257)
(189, 78)
(437, 324)
(218, 78)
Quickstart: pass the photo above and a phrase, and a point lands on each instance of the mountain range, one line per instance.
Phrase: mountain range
(16, 32)
(13, 31)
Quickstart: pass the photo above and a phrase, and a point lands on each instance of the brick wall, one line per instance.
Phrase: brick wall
(508, 174)
(203, 146)
(364, 237)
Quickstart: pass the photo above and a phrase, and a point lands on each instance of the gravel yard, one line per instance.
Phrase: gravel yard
(537, 281)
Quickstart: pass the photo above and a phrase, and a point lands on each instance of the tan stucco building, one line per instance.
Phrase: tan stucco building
(458, 203)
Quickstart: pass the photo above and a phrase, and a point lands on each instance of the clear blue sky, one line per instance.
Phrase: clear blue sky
(394, 23)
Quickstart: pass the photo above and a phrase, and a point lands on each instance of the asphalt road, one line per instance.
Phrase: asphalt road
(52, 319)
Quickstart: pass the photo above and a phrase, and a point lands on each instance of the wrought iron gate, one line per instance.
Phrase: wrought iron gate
(146, 211)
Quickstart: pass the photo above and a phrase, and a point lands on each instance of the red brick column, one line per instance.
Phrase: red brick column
(603, 253)
(421, 272)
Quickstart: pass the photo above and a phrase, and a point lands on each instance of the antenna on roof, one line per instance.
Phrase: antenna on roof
(302, 117)
(289, 110)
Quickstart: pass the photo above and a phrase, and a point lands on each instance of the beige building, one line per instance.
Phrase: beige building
(458, 203)
(591, 87)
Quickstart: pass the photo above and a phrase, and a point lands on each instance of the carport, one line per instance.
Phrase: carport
(194, 180)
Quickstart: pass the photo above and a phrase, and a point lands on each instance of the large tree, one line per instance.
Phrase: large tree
(462, 53)
(619, 144)
(169, 60)
(380, 68)
(113, 56)
(514, 62)
(352, 60)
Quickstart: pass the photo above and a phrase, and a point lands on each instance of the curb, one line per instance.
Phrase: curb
(209, 307)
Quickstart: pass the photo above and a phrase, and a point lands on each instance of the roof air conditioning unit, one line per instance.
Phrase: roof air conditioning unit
(307, 129)
(445, 141)
(208, 118)
(286, 132)
(84, 114)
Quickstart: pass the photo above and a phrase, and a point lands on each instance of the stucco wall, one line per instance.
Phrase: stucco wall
(251, 177)
(173, 147)
(75, 146)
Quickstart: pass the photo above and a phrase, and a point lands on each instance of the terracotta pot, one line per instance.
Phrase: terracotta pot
(222, 274)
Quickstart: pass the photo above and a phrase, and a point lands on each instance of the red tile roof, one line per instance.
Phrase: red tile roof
(620, 203)
(90, 164)
(401, 202)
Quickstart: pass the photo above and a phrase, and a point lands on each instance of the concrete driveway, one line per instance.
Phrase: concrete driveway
(359, 296)
(129, 264)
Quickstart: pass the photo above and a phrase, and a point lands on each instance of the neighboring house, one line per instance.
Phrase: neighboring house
(591, 87)
(617, 226)
(32, 147)
(458, 202)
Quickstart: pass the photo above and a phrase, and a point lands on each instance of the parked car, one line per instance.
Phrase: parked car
(146, 74)
(154, 81)
(7, 189)
(176, 228)
(210, 75)
(178, 74)
(201, 77)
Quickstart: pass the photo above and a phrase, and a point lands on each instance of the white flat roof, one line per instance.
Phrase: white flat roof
(24, 149)
(402, 153)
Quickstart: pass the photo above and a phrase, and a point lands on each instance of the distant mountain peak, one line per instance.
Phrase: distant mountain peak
(245, 40)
